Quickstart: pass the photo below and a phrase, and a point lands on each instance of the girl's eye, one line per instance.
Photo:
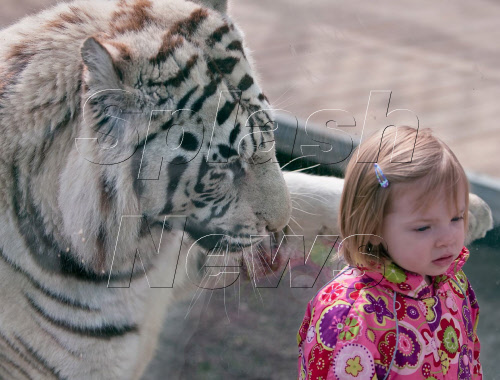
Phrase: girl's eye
(422, 229)
(457, 218)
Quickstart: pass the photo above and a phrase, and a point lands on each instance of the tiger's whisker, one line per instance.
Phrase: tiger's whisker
(291, 229)
(279, 97)
(310, 213)
(280, 104)
(300, 170)
(311, 195)
(294, 196)
(297, 223)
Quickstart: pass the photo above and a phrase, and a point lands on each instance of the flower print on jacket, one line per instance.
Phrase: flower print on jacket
(431, 309)
(379, 307)
(333, 324)
(450, 336)
(367, 324)
(464, 360)
(331, 292)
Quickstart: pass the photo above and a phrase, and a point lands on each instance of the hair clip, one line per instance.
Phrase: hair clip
(380, 176)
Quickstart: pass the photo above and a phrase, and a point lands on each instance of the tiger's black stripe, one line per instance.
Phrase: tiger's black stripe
(182, 74)
(190, 25)
(55, 339)
(6, 360)
(18, 352)
(251, 123)
(105, 331)
(217, 35)
(221, 199)
(39, 359)
(168, 124)
(242, 148)
(224, 66)
(163, 101)
(101, 248)
(236, 46)
(199, 187)
(42, 246)
(226, 151)
(176, 169)
(198, 204)
(54, 296)
(234, 134)
(62, 299)
(50, 135)
(183, 101)
(208, 91)
(4, 370)
(103, 121)
(176, 81)
(245, 83)
(189, 142)
(37, 365)
(225, 111)
(210, 239)
(207, 197)
(263, 97)
(169, 45)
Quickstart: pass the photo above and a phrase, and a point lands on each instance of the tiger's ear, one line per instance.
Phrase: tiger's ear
(218, 5)
(102, 72)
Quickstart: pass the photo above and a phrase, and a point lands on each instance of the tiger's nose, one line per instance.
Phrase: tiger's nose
(269, 197)
(269, 226)
(277, 220)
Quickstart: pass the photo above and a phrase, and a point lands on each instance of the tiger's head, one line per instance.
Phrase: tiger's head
(173, 123)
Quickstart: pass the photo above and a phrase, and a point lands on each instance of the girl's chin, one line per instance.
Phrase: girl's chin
(436, 272)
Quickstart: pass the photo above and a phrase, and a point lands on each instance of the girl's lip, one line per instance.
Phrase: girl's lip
(443, 260)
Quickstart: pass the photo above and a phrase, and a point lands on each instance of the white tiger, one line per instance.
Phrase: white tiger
(95, 166)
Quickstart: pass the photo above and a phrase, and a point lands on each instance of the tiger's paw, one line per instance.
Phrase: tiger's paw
(480, 218)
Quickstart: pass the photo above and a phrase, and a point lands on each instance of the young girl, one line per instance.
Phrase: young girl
(403, 308)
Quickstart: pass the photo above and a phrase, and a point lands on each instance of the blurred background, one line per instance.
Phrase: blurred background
(438, 60)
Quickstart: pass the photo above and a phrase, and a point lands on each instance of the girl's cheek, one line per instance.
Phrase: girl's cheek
(460, 231)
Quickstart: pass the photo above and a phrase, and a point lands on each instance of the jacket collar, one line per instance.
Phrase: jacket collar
(411, 284)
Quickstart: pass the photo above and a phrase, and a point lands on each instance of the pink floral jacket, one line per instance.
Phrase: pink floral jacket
(353, 325)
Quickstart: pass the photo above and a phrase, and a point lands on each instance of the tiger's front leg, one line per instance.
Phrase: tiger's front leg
(315, 204)
(316, 199)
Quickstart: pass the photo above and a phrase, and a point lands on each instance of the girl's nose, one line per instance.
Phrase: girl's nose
(446, 237)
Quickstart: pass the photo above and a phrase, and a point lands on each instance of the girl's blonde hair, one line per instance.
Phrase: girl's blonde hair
(417, 156)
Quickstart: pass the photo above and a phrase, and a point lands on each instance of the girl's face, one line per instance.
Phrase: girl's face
(425, 241)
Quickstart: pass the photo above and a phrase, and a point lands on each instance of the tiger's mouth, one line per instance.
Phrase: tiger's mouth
(258, 258)
(253, 258)
(236, 244)
(261, 265)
